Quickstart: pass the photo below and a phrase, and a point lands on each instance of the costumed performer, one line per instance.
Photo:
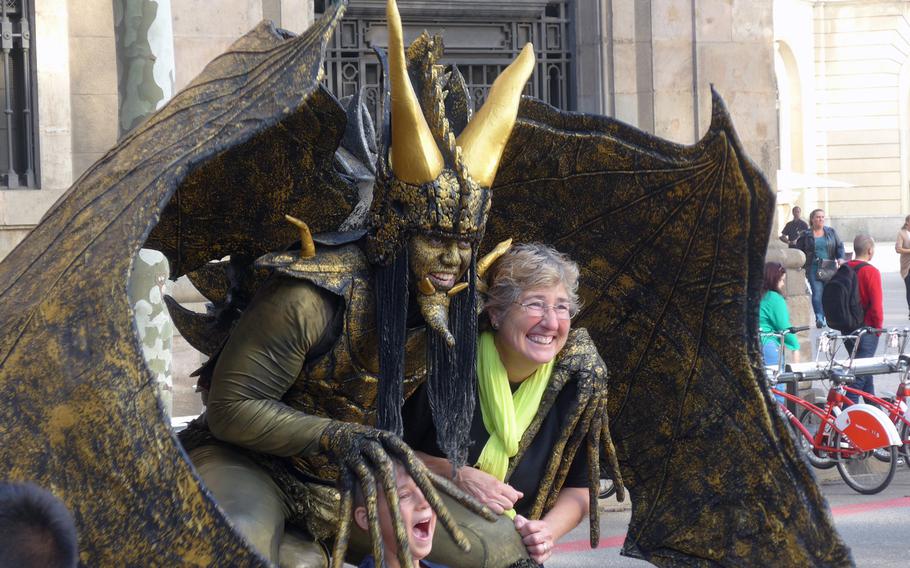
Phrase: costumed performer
(338, 337)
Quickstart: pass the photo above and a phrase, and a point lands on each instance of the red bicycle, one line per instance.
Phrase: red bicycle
(840, 433)
(894, 406)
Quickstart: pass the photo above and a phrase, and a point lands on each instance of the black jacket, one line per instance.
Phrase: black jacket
(806, 243)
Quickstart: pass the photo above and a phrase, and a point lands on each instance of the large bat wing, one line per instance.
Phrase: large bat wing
(78, 410)
(671, 242)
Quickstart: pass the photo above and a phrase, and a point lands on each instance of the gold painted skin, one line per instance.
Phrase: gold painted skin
(431, 258)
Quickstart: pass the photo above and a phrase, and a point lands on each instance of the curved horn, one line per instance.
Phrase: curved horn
(415, 157)
(307, 246)
(484, 139)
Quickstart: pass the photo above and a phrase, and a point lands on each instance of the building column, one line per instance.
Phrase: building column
(145, 59)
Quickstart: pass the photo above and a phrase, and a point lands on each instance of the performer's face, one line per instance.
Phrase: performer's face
(443, 261)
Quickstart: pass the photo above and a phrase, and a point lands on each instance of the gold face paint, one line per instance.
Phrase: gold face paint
(442, 261)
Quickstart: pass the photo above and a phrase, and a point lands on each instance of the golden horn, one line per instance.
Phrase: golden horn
(415, 157)
(484, 139)
(307, 246)
(457, 288)
(484, 263)
(426, 287)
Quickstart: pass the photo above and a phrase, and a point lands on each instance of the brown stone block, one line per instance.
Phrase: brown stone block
(714, 19)
(672, 62)
(199, 18)
(674, 116)
(191, 55)
(91, 18)
(753, 21)
(671, 19)
(94, 123)
(93, 66)
(737, 66)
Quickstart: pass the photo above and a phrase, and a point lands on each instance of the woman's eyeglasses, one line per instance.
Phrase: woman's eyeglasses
(539, 309)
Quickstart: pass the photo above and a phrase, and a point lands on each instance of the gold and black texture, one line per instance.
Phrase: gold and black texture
(671, 241)
(78, 409)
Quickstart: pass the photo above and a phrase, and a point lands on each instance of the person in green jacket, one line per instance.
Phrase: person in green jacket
(773, 314)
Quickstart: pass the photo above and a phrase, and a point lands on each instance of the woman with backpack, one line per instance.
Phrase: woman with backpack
(773, 314)
(824, 252)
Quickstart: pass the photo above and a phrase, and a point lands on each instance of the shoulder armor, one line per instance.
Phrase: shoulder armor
(334, 268)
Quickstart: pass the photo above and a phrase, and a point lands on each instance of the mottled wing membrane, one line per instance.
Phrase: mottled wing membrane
(288, 168)
(78, 410)
(671, 242)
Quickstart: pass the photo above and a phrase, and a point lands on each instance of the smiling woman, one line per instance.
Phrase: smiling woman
(526, 385)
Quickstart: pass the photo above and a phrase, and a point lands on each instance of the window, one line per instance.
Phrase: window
(481, 45)
(18, 139)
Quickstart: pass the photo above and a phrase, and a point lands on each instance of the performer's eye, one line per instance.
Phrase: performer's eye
(464, 245)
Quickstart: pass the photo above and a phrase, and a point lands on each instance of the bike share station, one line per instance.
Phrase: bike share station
(865, 441)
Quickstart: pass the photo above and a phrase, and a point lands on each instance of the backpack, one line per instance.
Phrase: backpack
(840, 299)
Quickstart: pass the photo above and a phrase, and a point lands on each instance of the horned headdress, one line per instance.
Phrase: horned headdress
(435, 179)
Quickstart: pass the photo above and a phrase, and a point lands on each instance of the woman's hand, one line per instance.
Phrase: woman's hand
(537, 538)
(495, 494)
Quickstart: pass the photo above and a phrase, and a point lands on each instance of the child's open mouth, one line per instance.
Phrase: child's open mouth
(422, 530)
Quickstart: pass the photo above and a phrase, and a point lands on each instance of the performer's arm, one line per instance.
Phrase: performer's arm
(260, 362)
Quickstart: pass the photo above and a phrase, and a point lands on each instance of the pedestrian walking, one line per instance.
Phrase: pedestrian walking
(824, 252)
(869, 281)
(794, 228)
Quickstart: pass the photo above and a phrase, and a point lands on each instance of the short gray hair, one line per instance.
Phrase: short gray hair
(526, 267)
(862, 244)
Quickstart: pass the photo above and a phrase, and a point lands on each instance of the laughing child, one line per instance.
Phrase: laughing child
(416, 514)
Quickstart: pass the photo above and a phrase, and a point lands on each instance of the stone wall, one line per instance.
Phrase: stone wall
(664, 55)
(77, 84)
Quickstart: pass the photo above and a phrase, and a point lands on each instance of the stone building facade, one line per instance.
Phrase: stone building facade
(647, 62)
(843, 69)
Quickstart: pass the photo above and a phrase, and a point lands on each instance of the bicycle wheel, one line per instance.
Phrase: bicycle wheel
(811, 422)
(607, 489)
(863, 473)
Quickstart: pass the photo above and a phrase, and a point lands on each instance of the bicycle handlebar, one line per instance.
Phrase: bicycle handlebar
(787, 331)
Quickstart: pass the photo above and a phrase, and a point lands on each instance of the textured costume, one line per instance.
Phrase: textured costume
(253, 138)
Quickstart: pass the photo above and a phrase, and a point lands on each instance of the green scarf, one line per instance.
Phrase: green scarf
(505, 415)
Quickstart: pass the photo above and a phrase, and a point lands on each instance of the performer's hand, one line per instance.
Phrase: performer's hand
(365, 457)
(495, 494)
(537, 537)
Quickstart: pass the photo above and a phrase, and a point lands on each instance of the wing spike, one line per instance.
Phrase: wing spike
(199, 330)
